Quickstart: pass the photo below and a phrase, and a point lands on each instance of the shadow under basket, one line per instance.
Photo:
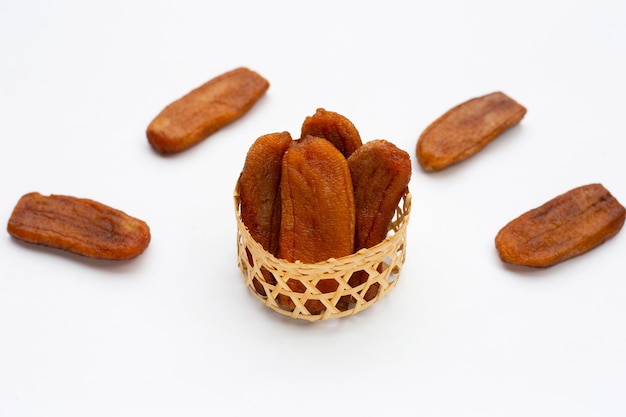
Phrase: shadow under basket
(355, 282)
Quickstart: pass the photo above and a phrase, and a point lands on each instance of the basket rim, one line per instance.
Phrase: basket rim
(406, 200)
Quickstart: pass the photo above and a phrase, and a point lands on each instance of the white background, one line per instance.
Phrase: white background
(175, 332)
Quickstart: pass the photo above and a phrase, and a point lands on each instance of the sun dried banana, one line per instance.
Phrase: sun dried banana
(569, 225)
(466, 129)
(318, 220)
(333, 127)
(259, 193)
(205, 110)
(82, 226)
(380, 176)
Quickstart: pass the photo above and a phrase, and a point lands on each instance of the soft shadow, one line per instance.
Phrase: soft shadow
(112, 266)
(531, 272)
(526, 271)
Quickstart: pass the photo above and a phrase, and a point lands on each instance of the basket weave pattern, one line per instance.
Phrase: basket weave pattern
(267, 276)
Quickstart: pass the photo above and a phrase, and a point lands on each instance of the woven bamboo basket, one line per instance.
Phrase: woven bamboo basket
(377, 267)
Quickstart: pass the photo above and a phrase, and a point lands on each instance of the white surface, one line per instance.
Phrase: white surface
(175, 332)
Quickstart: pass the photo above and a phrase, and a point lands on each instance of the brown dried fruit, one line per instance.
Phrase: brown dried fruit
(81, 226)
(567, 226)
(317, 203)
(380, 174)
(259, 192)
(259, 189)
(466, 129)
(333, 127)
(318, 220)
(206, 109)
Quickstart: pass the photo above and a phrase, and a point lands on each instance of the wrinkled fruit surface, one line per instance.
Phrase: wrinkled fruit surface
(205, 110)
(318, 219)
(567, 226)
(81, 226)
(466, 129)
(317, 203)
(335, 128)
(380, 174)
(259, 189)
